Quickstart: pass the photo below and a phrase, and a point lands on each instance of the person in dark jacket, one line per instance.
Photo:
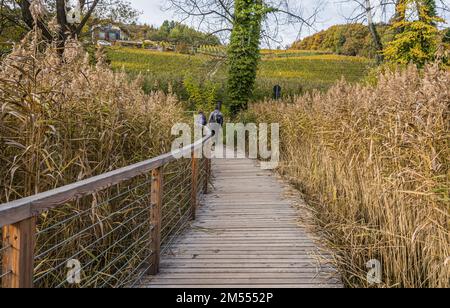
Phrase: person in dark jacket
(217, 116)
(201, 119)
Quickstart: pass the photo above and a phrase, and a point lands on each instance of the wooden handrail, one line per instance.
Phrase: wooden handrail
(21, 209)
(18, 218)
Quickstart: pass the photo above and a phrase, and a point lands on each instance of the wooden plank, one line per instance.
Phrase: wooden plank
(225, 260)
(156, 205)
(218, 248)
(250, 244)
(273, 221)
(255, 246)
(241, 270)
(237, 251)
(249, 229)
(237, 225)
(239, 281)
(243, 235)
(251, 217)
(249, 265)
(257, 211)
(261, 242)
(244, 286)
(256, 237)
(300, 255)
(254, 275)
(18, 260)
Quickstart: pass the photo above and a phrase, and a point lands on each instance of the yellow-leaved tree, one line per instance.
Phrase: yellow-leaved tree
(417, 38)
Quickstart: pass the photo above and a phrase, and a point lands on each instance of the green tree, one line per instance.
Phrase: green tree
(416, 40)
(243, 52)
(11, 29)
(178, 33)
(430, 6)
(446, 34)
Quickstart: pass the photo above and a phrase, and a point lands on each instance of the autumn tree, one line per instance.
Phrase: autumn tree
(417, 37)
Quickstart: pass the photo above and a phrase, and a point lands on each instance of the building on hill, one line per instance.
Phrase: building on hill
(109, 33)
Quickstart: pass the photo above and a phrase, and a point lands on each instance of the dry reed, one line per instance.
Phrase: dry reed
(374, 163)
(63, 120)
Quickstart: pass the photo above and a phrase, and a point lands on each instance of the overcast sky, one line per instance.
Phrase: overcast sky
(333, 12)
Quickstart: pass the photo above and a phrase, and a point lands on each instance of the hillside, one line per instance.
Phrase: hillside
(350, 40)
(296, 71)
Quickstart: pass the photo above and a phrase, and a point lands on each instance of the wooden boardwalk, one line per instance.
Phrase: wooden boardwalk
(246, 234)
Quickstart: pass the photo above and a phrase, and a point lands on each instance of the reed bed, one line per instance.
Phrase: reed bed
(63, 120)
(374, 163)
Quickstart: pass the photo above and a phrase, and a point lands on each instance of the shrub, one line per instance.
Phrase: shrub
(201, 97)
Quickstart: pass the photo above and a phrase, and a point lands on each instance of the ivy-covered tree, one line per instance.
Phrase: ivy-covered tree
(243, 52)
(247, 22)
(417, 37)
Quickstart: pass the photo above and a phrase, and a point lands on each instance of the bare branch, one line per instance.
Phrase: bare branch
(216, 16)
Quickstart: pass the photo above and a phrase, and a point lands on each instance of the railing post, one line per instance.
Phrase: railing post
(207, 175)
(194, 185)
(18, 259)
(156, 204)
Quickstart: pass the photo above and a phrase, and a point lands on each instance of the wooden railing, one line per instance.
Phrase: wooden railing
(18, 220)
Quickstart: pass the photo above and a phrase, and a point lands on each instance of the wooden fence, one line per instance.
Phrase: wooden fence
(127, 239)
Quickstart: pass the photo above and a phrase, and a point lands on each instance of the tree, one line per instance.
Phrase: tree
(417, 36)
(373, 31)
(113, 9)
(364, 11)
(430, 6)
(446, 38)
(173, 32)
(244, 23)
(400, 12)
(243, 52)
(9, 17)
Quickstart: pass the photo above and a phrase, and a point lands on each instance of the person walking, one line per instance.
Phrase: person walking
(216, 124)
(201, 119)
(216, 116)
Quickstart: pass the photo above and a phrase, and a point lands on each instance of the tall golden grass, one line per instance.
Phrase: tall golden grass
(374, 163)
(63, 120)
